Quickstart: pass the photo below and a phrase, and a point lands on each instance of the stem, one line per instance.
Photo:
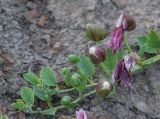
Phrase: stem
(84, 96)
(146, 62)
(49, 104)
(72, 89)
(127, 45)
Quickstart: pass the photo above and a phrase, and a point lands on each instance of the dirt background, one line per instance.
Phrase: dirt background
(26, 46)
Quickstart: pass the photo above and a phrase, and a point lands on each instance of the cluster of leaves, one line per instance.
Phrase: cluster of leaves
(45, 86)
(149, 43)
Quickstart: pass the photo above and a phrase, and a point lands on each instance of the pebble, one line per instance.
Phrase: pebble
(42, 21)
(57, 47)
(31, 5)
(142, 106)
(90, 4)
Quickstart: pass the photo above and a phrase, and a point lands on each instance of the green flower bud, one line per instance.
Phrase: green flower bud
(73, 58)
(64, 70)
(95, 33)
(103, 88)
(76, 78)
(66, 101)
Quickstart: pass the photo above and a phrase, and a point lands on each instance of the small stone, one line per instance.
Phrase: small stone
(31, 5)
(57, 47)
(91, 4)
(32, 14)
(42, 21)
(106, 1)
(18, 35)
(142, 106)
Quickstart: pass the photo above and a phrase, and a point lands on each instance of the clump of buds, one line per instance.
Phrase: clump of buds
(103, 88)
(95, 33)
(83, 114)
(97, 54)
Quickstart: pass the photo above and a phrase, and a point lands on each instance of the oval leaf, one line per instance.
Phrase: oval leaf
(86, 66)
(31, 77)
(48, 76)
(153, 40)
(41, 94)
(27, 95)
(19, 105)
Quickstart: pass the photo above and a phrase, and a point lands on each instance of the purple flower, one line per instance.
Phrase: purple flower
(124, 23)
(83, 114)
(122, 72)
(116, 40)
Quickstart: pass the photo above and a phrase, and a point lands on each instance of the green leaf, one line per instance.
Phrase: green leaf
(20, 105)
(111, 60)
(41, 94)
(50, 111)
(4, 117)
(84, 79)
(142, 41)
(153, 40)
(86, 66)
(144, 47)
(31, 77)
(27, 95)
(149, 50)
(48, 76)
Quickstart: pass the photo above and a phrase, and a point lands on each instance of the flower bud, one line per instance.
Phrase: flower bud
(66, 101)
(97, 54)
(64, 70)
(73, 58)
(131, 24)
(95, 33)
(126, 22)
(103, 88)
(76, 79)
(83, 114)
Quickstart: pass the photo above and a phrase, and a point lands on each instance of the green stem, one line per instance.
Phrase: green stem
(127, 45)
(72, 89)
(146, 62)
(84, 96)
(49, 104)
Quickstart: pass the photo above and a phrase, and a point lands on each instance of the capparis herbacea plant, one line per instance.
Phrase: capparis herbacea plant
(114, 60)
